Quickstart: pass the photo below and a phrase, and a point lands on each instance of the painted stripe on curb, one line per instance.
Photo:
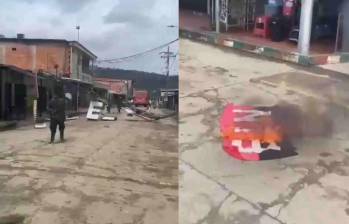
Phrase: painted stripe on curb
(333, 59)
(228, 43)
(264, 51)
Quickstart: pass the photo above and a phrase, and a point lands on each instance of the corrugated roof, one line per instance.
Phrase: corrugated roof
(115, 87)
(17, 69)
(100, 85)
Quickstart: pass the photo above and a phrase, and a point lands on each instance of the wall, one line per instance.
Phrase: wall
(47, 56)
(35, 57)
(77, 66)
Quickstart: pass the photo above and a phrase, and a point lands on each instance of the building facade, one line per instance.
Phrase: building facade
(169, 99)
(18, 88)
(319, 25)
(63, 58)
(116, 86)
(46, 60)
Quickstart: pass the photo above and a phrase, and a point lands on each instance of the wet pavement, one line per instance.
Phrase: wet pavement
(106, 172)
(215, 188)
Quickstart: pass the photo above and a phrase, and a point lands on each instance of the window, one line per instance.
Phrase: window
(14, 49)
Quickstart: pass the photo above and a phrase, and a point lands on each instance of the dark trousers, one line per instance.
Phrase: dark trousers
(53, 126)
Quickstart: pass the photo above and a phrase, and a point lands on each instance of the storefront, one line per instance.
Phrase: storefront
(78, 94)
(308, 27)
(18, 89)
(169, 99)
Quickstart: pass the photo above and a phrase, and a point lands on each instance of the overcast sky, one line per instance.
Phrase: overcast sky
(109, 28)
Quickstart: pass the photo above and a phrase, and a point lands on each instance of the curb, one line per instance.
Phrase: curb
(5, 126)
(269, 52)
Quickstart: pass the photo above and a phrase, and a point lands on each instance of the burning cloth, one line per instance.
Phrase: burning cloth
(251, 133)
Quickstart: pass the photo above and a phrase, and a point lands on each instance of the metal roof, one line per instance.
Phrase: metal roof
(17, 69)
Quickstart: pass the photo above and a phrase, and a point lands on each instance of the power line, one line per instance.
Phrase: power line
(174, 60)
(116, 60)
(167, 55)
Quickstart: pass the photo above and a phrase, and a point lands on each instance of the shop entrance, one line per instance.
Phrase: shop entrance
(272, 23)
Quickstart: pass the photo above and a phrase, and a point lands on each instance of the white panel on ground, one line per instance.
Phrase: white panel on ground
(108, 118)
(95, 110)
(129, 111)
(39, 126)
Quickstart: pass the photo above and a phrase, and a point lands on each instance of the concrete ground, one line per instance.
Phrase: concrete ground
(106, 172)
(214, 188)
(342, 68)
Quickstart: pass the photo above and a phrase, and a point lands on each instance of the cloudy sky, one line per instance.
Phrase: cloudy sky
(109, 28)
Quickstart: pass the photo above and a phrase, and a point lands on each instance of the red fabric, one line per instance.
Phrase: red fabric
(246, 143)
(234, 152)
(257, 128)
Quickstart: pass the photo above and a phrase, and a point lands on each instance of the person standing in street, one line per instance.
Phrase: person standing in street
(56, 109)
(119, 103)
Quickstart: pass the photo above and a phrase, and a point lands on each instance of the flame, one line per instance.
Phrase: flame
(262, 128)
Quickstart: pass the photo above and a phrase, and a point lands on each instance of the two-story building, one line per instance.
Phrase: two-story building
(64, 58)
(48, 58)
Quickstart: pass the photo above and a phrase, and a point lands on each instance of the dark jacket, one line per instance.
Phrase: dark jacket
(56, 108)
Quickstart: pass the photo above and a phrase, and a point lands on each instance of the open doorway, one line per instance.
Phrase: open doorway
(197, 5)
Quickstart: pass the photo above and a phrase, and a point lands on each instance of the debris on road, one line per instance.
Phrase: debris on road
(260, 133)
(96, 111)
(40, 125)
(72, 118)
(146, 114)
(109, 118)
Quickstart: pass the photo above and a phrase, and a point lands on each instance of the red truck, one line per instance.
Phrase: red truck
(141, 98)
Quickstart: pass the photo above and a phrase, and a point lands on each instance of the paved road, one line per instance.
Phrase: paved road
(310, 188)
(106, 172)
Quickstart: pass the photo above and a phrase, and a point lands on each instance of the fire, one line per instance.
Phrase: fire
(250, 133)
(248, 124)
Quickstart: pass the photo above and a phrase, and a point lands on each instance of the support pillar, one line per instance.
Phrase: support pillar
(217, 16)
(345, 28)
(305, 27)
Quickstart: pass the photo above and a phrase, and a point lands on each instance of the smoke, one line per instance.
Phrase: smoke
(311, 119)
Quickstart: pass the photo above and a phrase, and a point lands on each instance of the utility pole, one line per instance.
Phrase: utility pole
(167, 55)
(78, 29)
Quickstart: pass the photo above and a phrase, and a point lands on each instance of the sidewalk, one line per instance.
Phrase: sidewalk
(196, 27)
(341, 68)
(6, 125)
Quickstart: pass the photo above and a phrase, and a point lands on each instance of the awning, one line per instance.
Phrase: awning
(19, 70)
(27, 77)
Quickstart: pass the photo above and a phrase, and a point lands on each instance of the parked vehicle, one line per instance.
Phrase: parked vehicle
(141, 98)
